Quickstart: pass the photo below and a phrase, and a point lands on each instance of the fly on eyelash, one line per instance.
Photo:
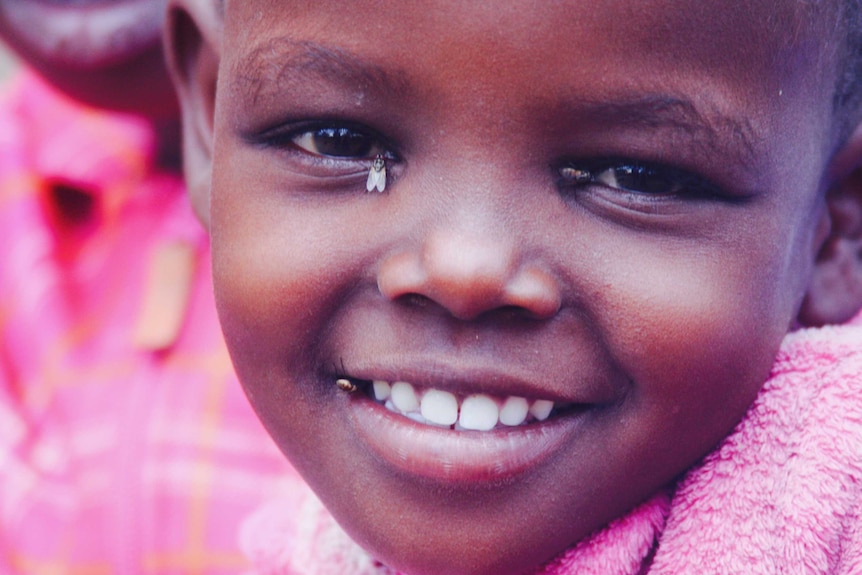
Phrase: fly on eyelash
(377, 175)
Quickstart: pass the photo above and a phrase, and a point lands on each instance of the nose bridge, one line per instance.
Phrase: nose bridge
(466, 258)
(471, 233)
(471, 259)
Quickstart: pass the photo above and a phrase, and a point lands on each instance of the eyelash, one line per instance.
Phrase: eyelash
(354, 144)
(345, 143)
(639, 180)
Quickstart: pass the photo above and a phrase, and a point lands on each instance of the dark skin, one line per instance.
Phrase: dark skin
(621, 207)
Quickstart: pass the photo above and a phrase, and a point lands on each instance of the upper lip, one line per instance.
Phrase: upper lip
(462, 378)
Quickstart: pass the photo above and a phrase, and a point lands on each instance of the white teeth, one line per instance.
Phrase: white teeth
(416, 416)
(514, 411)
(479, 412)
(439, 407)
(404, 397)
(541, 409)
(382, 390)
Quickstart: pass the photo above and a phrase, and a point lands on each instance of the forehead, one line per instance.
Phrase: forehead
(753, 41)
(675, 27)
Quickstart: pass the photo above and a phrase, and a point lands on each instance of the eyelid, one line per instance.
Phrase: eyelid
(602, 172)
(306, 141)
(299, 136)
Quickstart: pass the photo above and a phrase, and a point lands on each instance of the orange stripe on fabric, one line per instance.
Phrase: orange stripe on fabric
(199, 500)
(214, 364)
(25, 564)
(195, 562)
(96, 374)
(14, 187)
(6, 307)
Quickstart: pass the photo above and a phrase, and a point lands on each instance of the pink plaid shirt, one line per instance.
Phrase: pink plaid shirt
(126, 445)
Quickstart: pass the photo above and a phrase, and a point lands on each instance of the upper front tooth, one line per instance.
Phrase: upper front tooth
(514, 411)
(404, 397)
(440, 407)
(479, 412)
(382, 390)
(541, 409)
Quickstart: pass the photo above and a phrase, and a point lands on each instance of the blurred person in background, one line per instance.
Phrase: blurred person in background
(126, 446)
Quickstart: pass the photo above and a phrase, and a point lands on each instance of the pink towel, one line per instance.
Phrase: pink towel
(781, 494)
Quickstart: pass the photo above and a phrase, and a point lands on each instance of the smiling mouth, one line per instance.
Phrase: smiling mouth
(439, 435)
(472, 412)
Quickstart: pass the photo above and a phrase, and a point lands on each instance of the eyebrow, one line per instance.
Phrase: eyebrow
(711, 129)
(282, 63)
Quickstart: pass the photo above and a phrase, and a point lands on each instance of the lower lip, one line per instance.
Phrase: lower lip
(459, 456)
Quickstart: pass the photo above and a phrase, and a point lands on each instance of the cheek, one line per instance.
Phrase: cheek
(282, 269)
(272, 266)
(697, 333)
(263, 286)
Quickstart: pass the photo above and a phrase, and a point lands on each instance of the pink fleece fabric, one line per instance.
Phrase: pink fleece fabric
(781, 494)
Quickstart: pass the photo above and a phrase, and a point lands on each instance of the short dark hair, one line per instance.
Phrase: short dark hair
(848, 88)
(847, 94)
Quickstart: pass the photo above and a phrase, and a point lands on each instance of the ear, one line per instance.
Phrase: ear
(835, 292)
(193, 31)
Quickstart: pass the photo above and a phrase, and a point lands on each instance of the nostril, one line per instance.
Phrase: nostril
(416, 300)
(514, 312)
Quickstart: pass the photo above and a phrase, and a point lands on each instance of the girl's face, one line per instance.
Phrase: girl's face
(105, 52)
(608, 207)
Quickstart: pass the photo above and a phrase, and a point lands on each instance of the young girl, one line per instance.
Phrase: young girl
(508, 282)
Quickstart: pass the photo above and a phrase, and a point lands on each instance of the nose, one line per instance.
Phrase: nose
(469, 274)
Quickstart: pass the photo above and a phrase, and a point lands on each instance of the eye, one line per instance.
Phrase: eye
(634, 177)
(338, 142)
(637, 178)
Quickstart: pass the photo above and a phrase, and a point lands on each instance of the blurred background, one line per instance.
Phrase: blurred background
(7, 62)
